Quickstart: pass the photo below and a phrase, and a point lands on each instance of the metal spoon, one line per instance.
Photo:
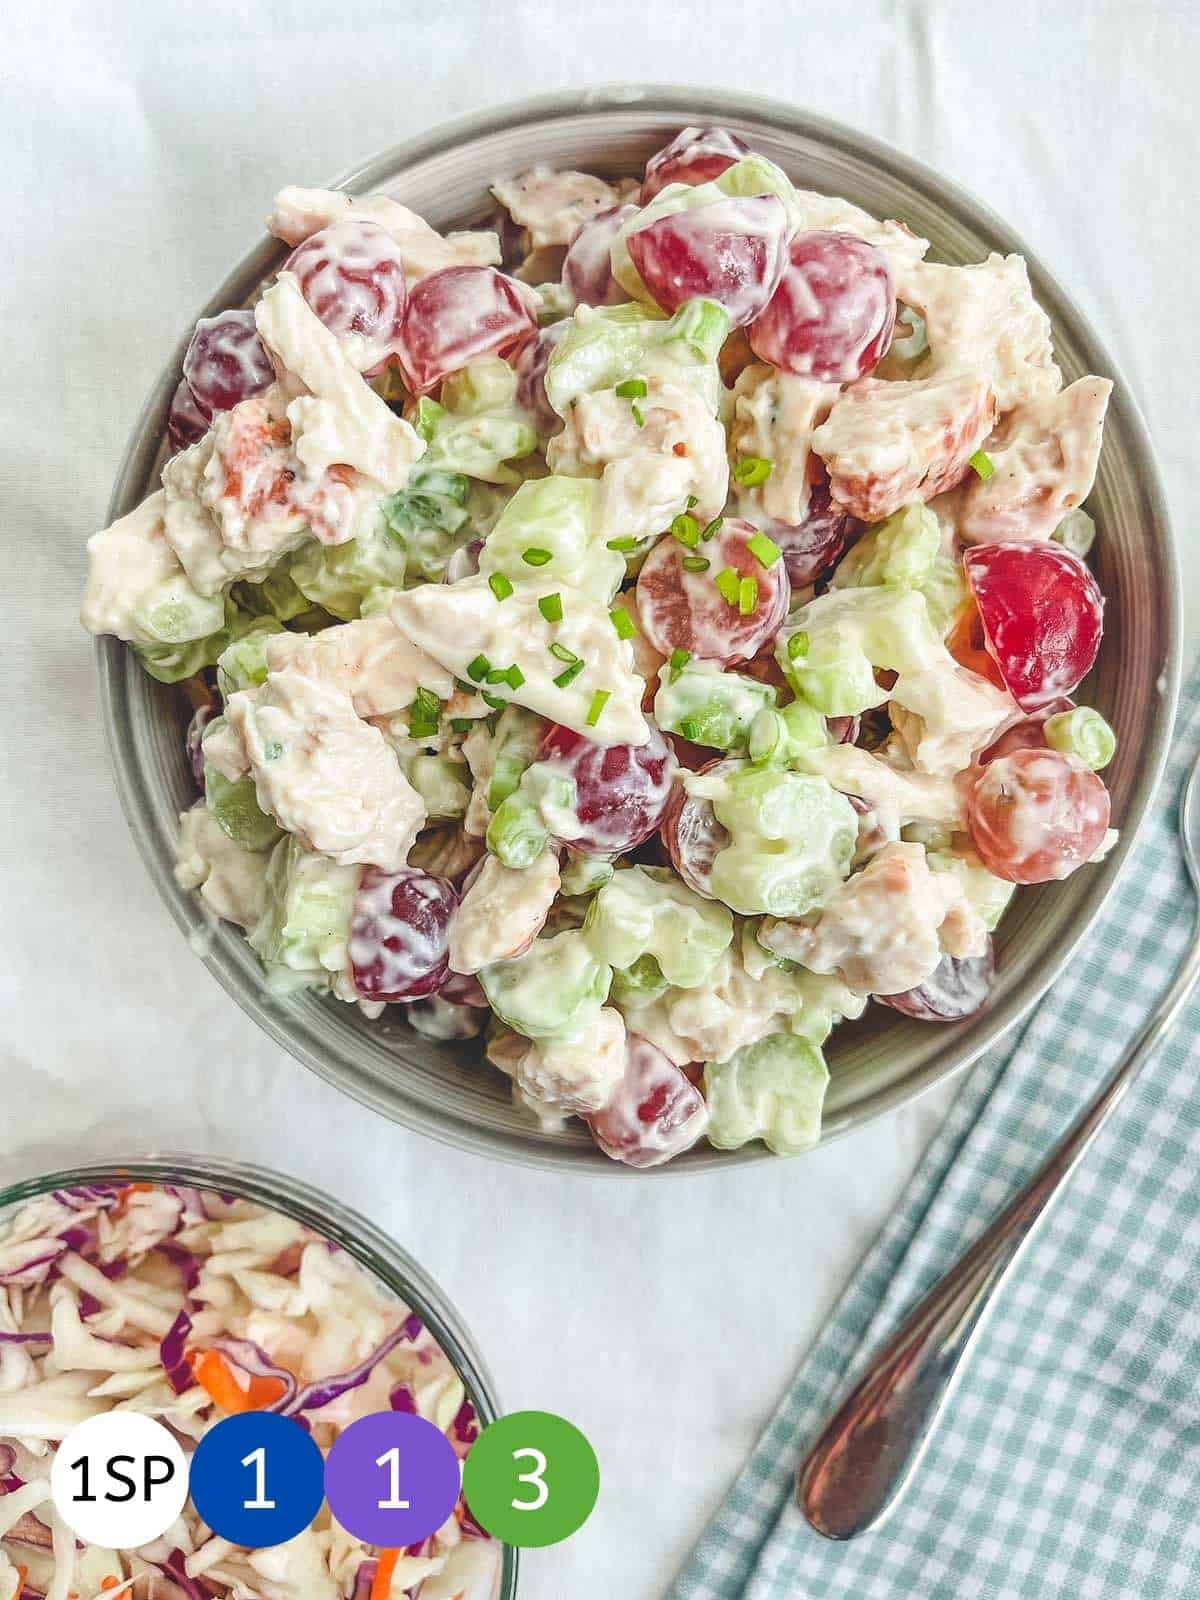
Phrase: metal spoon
(872, 1445)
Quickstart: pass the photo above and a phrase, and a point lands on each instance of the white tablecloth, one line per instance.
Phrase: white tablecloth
(141, 144)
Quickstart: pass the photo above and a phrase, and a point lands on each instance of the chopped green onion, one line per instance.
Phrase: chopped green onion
(711, 528)
(599, 700)
(690, 729)
(493, 700)
(424, 714)
(727, 582)
(677, 660)
(638, 415)
(747, 596)
(561, 653)
(765, 551)
(797, 646)
(686, 529)
(623, 545)
(467, 688)
(982, 463)
(696, 563)
(622, 622)
(632, 389)
(461, 724)
(536, 557)
(500, 586)
(752, 470)
(514, 677)
(498, 675)
(692, 500)
(551, 607)
(478, 669)
(569, 674)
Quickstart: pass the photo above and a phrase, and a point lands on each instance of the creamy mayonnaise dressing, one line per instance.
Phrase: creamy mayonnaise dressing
(460, 623)
(648, 470)
(774, 417)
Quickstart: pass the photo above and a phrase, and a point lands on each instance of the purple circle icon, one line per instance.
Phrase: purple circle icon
(391, 1479)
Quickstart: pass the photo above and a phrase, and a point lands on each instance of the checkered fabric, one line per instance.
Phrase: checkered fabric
(1069, 1462)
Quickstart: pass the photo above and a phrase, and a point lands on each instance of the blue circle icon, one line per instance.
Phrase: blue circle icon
(257, 1479)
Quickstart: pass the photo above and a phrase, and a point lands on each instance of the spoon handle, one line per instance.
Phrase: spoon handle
(872, 1444)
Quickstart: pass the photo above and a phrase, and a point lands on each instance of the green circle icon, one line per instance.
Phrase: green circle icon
(531, 1478)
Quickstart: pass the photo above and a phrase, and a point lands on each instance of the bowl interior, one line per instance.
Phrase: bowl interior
(446, 1090)
(380, 1256)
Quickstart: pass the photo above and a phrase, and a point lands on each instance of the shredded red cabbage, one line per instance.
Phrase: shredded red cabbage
(315, 1395)
(87, 1196)
(173, 1568)
(77, 1237)
(171, 1354)
(402, 1399)
(466, 1424)
(26, 1338)
(184, 1259)
(363, 1579)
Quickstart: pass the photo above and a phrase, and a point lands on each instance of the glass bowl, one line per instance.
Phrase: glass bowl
(445, 1090)
(391, 1266)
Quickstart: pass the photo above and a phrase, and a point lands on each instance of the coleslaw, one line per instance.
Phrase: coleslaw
(190, 1306)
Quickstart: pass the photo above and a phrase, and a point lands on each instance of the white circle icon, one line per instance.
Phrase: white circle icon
(119, 1480)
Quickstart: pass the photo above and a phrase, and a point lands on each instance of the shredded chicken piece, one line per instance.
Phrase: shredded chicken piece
(1044, 456)
(887, 444)
(880, 931)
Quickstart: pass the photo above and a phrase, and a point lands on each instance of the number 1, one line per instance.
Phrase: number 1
(391, 1460)
(534, 1479)
(258, 1460)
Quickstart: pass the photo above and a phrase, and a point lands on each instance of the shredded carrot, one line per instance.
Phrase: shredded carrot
(22, 1574)
(381, 1584)
(110, 1582)
(213, 1373)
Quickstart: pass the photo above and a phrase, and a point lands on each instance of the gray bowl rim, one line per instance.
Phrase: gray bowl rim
(686, 105)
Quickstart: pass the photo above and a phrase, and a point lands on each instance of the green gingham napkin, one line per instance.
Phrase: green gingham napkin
(1069, 1462)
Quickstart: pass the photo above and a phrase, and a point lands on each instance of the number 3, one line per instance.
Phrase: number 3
(533, 1478)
